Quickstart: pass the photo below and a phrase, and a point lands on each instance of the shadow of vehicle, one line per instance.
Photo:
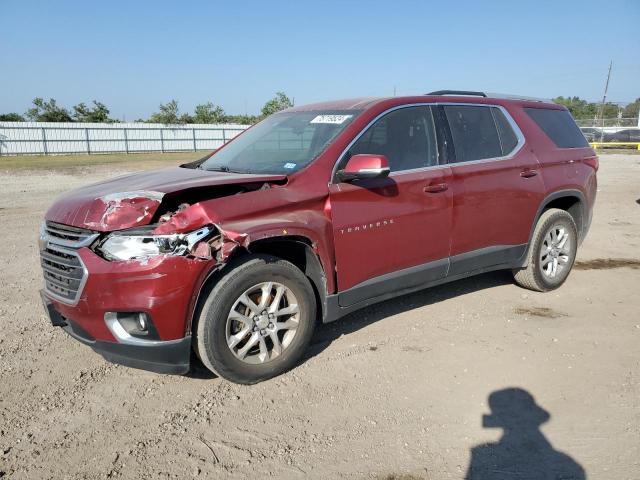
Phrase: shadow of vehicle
(523, 452)
(325, 334)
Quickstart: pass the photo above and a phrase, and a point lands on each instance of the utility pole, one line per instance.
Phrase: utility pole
(604, 99)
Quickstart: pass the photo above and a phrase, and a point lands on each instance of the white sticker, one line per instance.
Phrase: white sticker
(335, 119)
(289, 166)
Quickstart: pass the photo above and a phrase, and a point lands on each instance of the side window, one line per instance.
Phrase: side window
(405, 136)
(559, 127)
(474, 132)
(508, 138)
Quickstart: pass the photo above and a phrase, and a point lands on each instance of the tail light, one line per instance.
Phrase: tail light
(592, 162)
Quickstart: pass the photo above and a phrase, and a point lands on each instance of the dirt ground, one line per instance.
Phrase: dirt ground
(398, 390)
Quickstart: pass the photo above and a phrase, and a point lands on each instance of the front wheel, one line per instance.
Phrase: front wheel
(257, 320)
(551, 253)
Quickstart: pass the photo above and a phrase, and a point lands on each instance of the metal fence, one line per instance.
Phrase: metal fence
(44, 138)
(609, 122)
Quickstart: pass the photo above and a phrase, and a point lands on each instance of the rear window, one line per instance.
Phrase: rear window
(474, 132)
(559, 127)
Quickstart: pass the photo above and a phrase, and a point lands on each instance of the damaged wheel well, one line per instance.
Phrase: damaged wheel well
(296, 250)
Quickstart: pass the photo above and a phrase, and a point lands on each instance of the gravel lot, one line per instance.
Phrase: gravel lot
(397, 390)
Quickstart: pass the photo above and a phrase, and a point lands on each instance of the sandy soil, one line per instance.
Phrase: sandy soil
(398, 390)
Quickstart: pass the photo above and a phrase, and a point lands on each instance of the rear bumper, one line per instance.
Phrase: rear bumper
(169, 356)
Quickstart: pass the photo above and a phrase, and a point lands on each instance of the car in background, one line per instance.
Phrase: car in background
(626, 135)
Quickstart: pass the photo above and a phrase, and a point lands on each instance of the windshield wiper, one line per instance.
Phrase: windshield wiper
(223, 168)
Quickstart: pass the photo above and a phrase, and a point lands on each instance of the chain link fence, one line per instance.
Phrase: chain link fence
(609, 122)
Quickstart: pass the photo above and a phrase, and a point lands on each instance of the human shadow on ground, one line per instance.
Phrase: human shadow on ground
(523, 452)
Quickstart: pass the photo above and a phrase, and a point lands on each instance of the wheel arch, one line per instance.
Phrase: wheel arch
(295, 249)
(570, 200)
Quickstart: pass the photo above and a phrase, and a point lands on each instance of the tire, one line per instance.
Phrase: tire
(539, 275)
(219, 338)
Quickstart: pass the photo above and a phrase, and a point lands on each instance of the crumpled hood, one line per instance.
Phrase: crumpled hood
(132, 200)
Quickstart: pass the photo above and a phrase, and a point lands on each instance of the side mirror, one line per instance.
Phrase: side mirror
(364, 166)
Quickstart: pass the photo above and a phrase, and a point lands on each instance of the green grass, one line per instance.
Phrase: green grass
(134, 160)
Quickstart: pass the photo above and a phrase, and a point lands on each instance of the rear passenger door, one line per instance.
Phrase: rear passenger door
(497, 188)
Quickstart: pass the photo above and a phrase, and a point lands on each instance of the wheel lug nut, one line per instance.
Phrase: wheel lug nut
(271, 325)
(263, 332)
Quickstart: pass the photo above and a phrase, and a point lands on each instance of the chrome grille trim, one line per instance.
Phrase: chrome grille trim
(64, 272)
(67, 236)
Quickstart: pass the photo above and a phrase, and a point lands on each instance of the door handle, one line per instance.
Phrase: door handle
(528, 173)
(436, 187)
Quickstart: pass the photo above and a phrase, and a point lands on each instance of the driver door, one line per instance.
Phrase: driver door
(393, 233)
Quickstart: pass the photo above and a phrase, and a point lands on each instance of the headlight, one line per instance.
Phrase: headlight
(140, 244)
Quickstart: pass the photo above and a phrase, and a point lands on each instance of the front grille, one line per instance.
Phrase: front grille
(65, 235)
(64, 272)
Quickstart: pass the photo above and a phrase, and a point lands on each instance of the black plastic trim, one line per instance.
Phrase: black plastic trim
(428, 275)
(587, 213)
(399, 280)
(458, 92)
(499, 256)
(172, 357)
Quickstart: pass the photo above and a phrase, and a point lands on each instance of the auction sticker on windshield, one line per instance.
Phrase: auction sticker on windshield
(335, 119)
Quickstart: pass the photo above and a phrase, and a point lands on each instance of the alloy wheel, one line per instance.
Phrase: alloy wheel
(262, 322)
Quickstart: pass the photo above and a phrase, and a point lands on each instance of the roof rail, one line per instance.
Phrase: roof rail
(457, 92)
(506, 96)
(492, 95)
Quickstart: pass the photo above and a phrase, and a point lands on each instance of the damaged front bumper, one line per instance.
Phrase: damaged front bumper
(170, 356)
(162, 288)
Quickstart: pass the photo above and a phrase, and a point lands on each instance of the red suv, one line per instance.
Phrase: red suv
(311, 214)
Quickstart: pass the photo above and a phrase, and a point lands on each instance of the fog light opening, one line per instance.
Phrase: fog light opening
(125, 325)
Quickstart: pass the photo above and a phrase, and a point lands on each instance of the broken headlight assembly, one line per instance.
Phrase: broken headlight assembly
(141, 243)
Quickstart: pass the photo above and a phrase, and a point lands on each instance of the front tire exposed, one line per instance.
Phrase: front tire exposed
(551, 253)
(257, 320)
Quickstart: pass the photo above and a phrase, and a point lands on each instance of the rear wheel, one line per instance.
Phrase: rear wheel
(257, 320)
(551, 253)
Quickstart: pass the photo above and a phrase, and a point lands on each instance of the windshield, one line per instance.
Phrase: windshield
(282, 143)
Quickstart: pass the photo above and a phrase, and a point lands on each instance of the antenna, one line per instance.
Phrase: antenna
(604, 99)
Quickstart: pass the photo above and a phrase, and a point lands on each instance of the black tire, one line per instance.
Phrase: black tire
(532, 276)
(211, 329)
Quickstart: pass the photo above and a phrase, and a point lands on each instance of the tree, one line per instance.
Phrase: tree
(185, 118)
(583, 110)
(98, 114)
(242, 119)
(277, 103)
(47, 111)
(11, 117)
(209, 113)
(168, 114)
(631, 110)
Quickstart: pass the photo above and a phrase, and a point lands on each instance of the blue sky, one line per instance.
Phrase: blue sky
(133, 55)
